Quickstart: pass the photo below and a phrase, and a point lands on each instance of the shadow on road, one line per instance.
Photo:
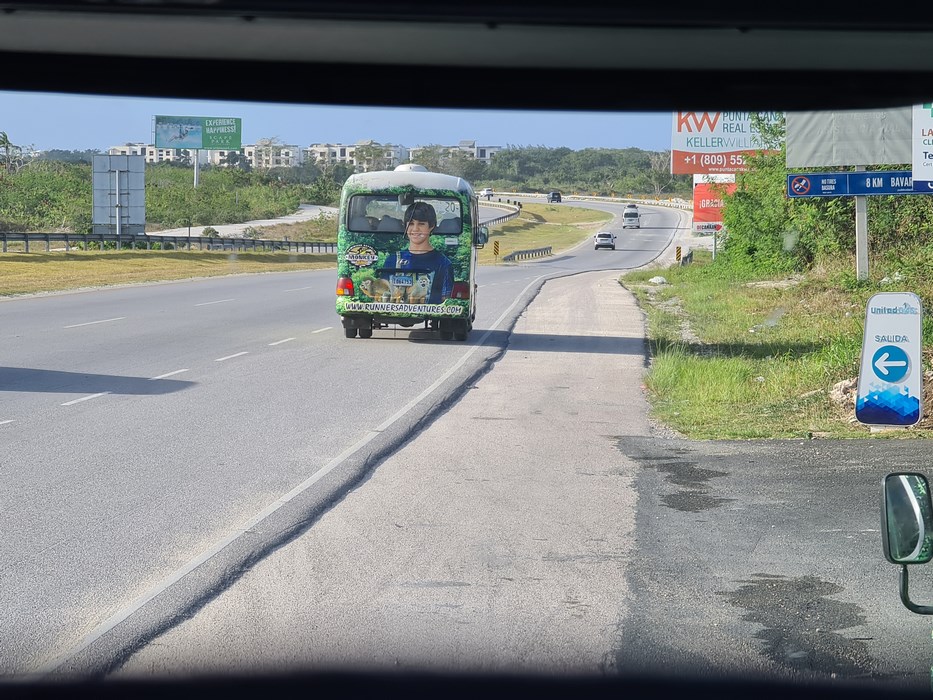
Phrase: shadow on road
(56, 381)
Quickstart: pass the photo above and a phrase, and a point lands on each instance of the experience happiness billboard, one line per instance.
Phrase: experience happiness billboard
(208, 133)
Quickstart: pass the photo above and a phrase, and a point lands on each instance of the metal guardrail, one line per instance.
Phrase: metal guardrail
(676, 203)
(514, 210)
(527, 254)
(165, 242)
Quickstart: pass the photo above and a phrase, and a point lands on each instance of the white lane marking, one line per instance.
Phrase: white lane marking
(297, 289)
(230, 357)
(4, 422)
(173, 578)
(279, 342)
(168, 374)
(219, 301)
(321, 330)
(91, 323)
(85, 398)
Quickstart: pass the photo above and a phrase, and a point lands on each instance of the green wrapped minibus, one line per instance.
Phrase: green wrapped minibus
(406, 252)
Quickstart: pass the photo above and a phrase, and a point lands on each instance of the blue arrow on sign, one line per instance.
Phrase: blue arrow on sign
(890, 363)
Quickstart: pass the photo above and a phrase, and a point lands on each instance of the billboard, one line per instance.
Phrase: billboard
(708, 193)
(922, 147)
(715, 142)
(196, 133)
(119, 195)
(848, 138)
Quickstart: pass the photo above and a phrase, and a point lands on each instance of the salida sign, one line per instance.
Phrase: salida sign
(715, 142)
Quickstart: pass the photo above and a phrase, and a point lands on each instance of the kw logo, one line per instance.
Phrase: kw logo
(693, 121)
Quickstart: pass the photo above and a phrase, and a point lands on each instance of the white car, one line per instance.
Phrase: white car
(604, 239)
(486, 192)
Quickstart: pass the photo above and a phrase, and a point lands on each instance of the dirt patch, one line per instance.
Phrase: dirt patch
(777, 284)
(843, 395)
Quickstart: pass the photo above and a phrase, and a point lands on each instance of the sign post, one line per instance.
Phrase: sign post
(890, 390)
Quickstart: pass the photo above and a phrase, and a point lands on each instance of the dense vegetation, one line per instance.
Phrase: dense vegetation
(47, 195)
(52, 192)
(765, 340)
(769, 233)
(602, 171)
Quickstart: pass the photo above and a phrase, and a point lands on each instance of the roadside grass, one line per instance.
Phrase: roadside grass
(540, 226)
(740, 358)
(322, 229)
(58, 271)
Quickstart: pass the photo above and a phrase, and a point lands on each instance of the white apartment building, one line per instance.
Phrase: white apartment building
(481, 153)
(269, 154)
(157, 155)
(264, 155)
(261, 155)
(332, 153)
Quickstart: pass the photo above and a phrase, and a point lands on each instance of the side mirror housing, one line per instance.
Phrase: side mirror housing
(907, 528)
(906, 519)
(481, 237)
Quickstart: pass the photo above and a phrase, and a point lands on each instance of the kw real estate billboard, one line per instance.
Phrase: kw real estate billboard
(705, 143)
(208, 133)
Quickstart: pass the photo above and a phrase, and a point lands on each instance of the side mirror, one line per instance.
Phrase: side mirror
(481, 237)
(907, 528)
(906, 519)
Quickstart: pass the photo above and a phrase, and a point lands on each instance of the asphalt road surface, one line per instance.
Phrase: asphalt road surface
(206, 475)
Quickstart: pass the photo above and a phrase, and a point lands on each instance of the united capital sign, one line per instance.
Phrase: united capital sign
(705, 143)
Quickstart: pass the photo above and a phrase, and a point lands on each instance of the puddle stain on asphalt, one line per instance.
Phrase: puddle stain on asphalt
(695, 494)
(801, 624)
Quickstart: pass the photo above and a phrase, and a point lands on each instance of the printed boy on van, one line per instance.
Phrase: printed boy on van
(421, 256)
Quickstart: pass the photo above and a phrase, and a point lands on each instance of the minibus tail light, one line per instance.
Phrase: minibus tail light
(344, 287)
(461, 290)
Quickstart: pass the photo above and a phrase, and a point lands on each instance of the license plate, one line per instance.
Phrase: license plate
(401, 280)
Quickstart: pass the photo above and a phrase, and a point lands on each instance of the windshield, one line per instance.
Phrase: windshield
(615, 399)
(390, 214)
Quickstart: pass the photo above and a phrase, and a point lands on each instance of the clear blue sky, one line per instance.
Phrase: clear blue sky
(77, 122)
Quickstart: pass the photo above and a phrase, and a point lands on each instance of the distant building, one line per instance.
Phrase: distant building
(362, 155)
(333, 153)
(158, 155)
(481, 153)
(269, 154)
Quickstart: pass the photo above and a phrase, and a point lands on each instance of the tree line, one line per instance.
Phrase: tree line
(52, 191)
(770, 233)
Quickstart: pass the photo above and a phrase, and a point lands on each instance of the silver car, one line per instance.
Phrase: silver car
(604, 239)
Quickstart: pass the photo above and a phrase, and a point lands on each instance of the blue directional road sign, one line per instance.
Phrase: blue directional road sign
(890, 390)
(890, 363)
(850, 184)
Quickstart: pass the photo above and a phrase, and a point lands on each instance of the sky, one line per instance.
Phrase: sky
(78, 122)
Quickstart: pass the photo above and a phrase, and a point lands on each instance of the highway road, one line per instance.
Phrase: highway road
(207, 475)
(143, 425)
